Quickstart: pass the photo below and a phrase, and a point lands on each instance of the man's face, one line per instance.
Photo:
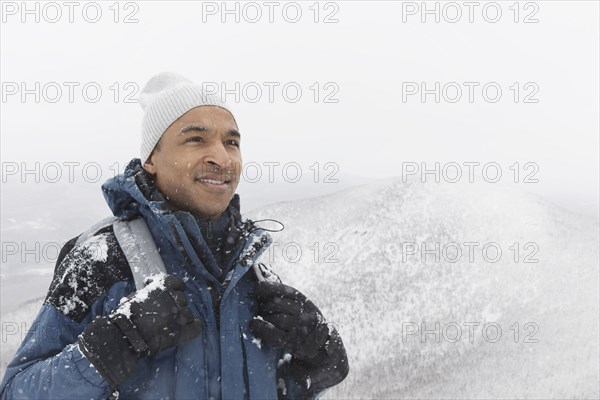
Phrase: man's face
(198, 162)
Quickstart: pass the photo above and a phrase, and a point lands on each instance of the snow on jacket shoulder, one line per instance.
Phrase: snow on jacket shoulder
(88, 281)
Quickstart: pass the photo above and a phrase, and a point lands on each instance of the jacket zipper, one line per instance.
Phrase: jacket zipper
(233, 261)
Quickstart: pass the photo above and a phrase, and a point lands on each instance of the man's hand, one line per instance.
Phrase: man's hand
(146, 322)
(289, 321)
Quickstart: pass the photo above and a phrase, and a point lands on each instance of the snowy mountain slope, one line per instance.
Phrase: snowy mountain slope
(15, 326)
(372, 295)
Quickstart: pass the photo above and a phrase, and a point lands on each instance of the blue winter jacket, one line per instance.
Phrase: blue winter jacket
(224, 362)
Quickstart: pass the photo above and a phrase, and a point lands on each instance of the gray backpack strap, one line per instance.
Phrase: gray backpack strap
(95, 228)
(139, 248)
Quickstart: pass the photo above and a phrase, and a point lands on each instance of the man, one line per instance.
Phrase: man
(216, 325)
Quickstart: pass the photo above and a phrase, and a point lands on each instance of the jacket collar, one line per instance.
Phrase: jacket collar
(133, 194)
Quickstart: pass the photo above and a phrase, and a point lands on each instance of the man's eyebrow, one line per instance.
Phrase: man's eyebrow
(192, 127)
(201, 128)
(233, 132)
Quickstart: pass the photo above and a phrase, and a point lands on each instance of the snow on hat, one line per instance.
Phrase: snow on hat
(165, 98)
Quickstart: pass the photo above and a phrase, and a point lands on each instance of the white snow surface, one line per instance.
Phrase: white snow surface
(370, 294)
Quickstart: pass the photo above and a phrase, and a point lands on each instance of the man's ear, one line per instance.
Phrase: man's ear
(149, 165)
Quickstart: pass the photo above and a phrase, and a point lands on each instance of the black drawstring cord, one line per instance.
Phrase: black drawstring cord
(253, 225)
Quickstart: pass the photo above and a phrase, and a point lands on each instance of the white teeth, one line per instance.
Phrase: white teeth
(212, 181)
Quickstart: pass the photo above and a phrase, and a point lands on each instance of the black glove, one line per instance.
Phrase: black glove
(289, 321)
(145, 323)
(328, 369)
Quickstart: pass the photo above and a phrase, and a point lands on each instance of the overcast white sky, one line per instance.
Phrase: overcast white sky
(368, 56)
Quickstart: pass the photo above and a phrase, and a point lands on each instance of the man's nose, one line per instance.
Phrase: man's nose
(218, 155)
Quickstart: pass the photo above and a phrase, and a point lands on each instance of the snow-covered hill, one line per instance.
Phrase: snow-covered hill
(350, 252)
(374, 296)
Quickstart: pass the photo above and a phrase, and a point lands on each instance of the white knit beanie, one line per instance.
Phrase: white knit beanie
(165, 98)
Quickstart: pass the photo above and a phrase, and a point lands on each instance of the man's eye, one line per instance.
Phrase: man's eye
(193, 139)
(234, 143)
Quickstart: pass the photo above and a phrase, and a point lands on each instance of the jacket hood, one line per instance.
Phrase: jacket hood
(133, 193)
(177, 233)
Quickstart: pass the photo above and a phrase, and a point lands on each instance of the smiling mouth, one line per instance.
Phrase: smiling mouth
(215, 185)
(213, 181)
